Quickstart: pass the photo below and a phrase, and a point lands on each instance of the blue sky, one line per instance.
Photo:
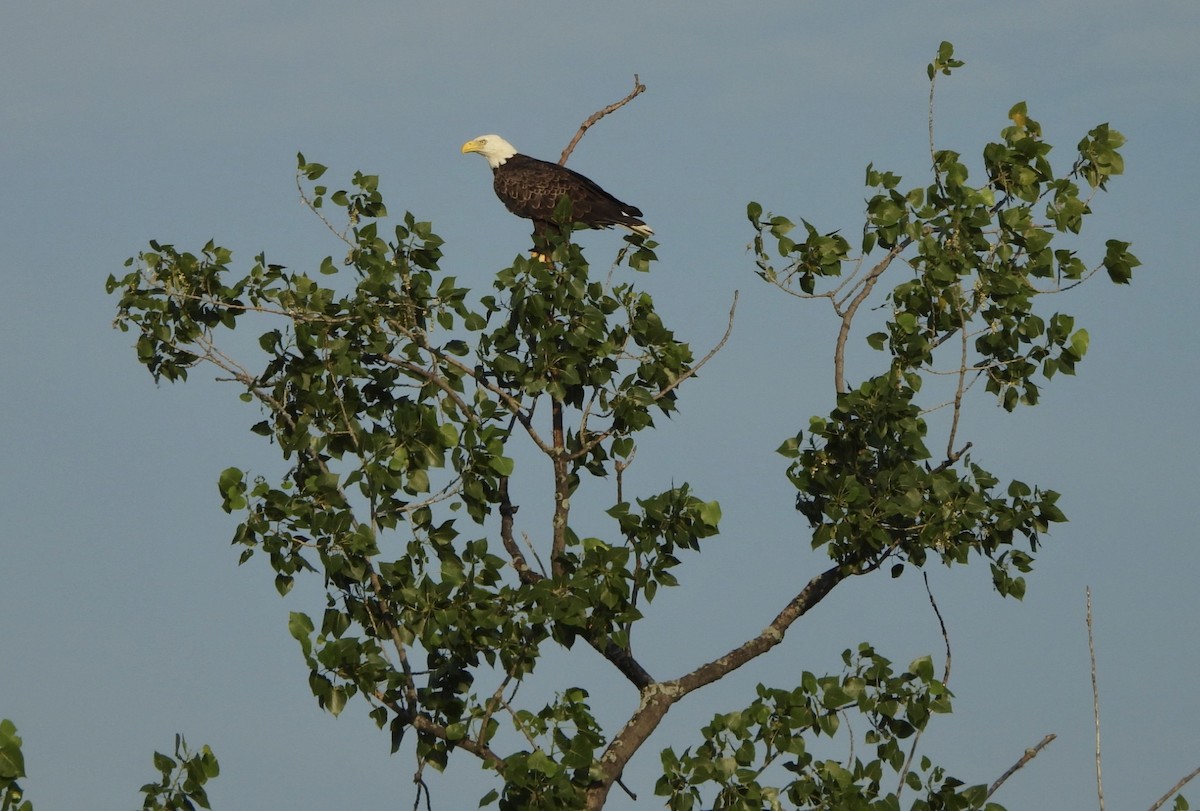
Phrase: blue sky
(123, 615)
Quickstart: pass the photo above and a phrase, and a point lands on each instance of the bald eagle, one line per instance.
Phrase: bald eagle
(531, 188)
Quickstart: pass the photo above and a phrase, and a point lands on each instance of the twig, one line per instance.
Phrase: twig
(1175, 789)
(304, 198)
(533, 551)
(1095, 699)
(638, 89)
(595, 439)
(962, 379)
(422, 788)
(1029, 755)
(912, 752)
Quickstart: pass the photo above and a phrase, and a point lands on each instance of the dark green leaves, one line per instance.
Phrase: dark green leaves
(765, 754)
(183, 777)
(12, 769)
(818, 255)
(944, 62)
(1099, 159)
(1119, 262)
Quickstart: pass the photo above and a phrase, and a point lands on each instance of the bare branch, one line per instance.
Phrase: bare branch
(1029, 755)
(1175, 789)
(304, 198)
(1095, 699)
(912, 752)
(638, 89)
(533, 551)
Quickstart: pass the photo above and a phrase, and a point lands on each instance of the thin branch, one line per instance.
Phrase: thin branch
(533, 551)
(711, 353)
(507, 513)
(912, 752)
(423, 723)
(952, 458)
(1095, 699)
(1175, 789)
(1029, 755)
(304, 198)
(393, 630)
(422, 787)
(813, 592)
(490, 708)
(962, 379)
(868, 282)
(638, 89)
(595, 439)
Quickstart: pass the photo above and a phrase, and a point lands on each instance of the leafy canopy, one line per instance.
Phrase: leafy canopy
(403, 405)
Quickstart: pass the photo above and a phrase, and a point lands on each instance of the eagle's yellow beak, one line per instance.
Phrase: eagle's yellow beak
(472, 146)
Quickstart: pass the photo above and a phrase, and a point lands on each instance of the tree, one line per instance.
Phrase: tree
(404, 407)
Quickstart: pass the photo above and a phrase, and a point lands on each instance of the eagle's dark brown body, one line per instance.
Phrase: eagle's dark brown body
(531, 188)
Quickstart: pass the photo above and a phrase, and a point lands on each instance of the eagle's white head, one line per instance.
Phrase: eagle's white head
(494, 148)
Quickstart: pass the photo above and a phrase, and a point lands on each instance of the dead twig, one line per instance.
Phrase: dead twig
(1029, 755)
(1095, 699)
(912, 752)
(1175, 789)
(638, 89)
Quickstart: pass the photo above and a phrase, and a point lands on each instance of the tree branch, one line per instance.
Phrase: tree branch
(595, 439)
(507, 513)
(638, 89)
(1175, 789)
(1029, 755)
(839, 352)
(423, 723)
(912, 752)
(815, 591)
(1095, 699)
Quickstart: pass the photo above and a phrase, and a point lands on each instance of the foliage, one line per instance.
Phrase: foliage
(403, 407)
(181, 787)
(12, 769)
(182, 778)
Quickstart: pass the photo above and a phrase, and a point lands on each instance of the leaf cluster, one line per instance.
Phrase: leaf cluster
(182, 779)
(12, 769)
(768, 755)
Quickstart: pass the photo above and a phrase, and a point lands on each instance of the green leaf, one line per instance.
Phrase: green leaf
(301, 629)
(1079, 343)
